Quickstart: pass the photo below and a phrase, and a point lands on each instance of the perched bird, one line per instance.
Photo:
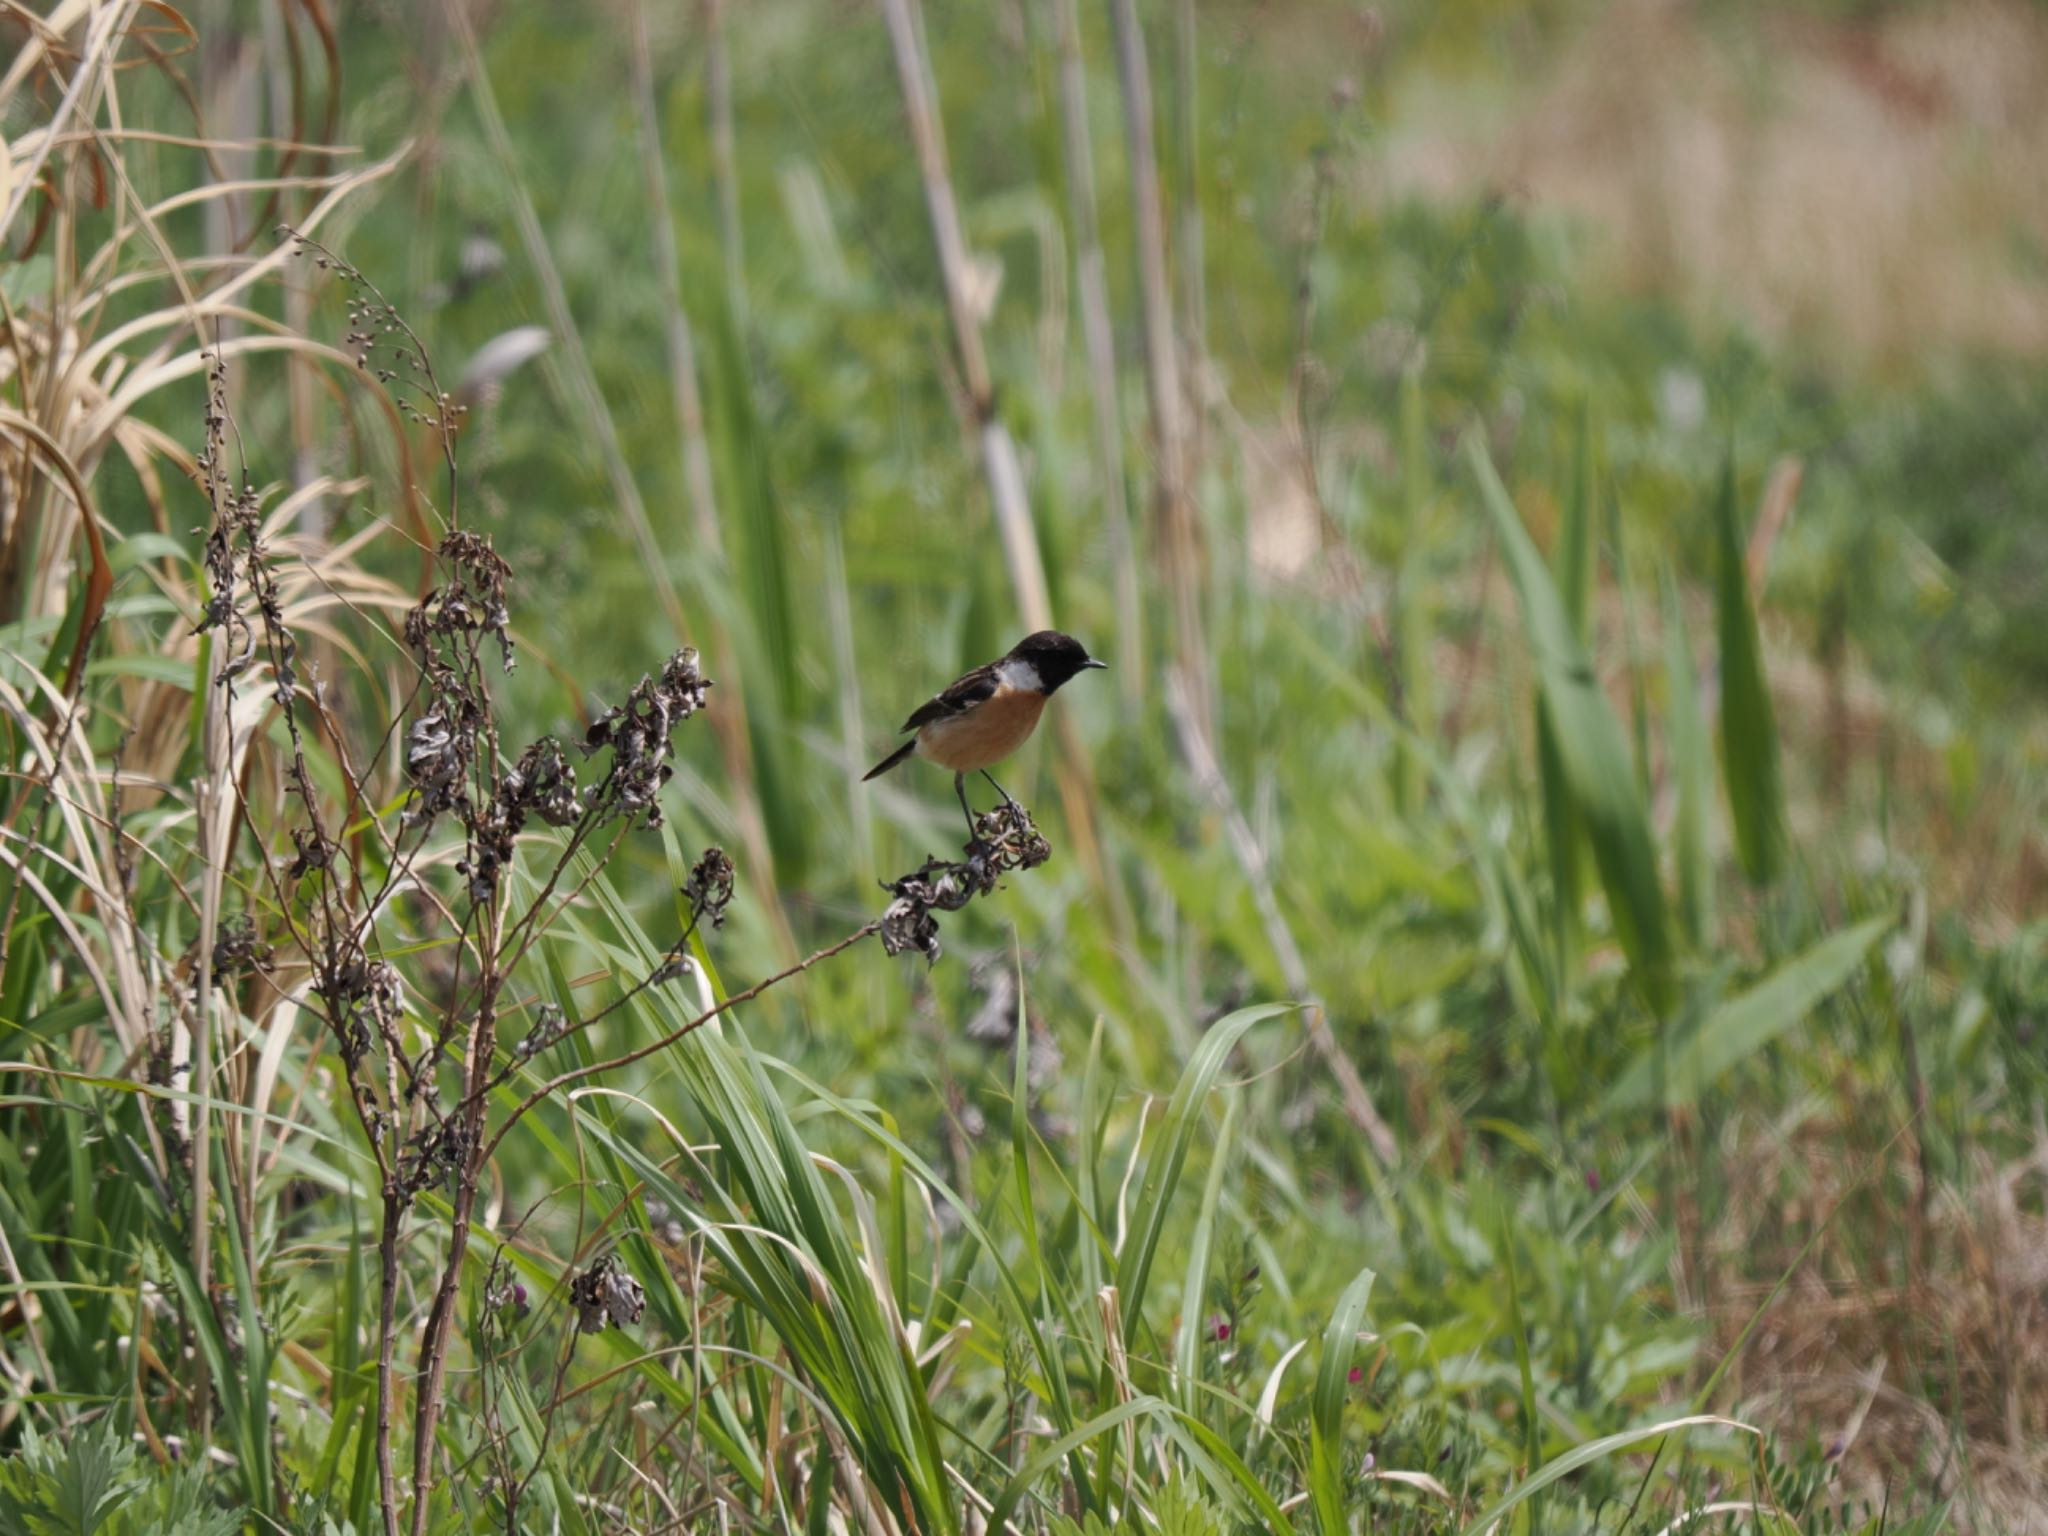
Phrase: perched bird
(983, 716)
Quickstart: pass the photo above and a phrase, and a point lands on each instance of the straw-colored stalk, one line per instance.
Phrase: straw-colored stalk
(1175, 532)
(724, 165)
(1194, 292)
(1091, 281)
(998, 449)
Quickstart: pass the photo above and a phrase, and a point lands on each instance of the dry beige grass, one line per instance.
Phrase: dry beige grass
(1866, 191)
(1931, 1378)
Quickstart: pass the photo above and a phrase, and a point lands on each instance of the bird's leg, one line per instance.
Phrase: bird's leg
(1012, 804)
(960, 789)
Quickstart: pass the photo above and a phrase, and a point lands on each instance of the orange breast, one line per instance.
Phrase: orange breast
(985, 735)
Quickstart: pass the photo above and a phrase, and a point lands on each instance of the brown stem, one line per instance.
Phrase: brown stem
(433, 1370)
(387, 1336)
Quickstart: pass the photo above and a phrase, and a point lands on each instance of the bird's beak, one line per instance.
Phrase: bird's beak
(1092, 662)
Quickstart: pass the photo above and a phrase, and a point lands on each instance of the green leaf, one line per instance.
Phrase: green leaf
(1591, 750)
(1743, 1025)
(1564, 836)
(1588, 1453)
(1563, 828)
(768, 618)
(1187, 1345)
(93, 1478)
(1691, 760)
(1532, 1430)
(1412, 598)
(1192, 1437)
(1326, 1415)
(1749, 732)
(1184, 1116)
(157, 669)
(1575, 536)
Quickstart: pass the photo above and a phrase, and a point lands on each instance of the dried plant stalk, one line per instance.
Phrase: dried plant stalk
(1091, 281)
(1175, 530)
(998, 448)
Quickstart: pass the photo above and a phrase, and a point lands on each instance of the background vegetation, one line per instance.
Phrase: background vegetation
(1531, 1016)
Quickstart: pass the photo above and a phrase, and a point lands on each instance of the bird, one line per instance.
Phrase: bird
(984, 715)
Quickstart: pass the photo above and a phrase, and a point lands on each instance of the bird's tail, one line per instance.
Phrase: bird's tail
(890, 761)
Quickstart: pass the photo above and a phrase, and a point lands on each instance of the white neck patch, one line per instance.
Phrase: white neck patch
(1019, 674)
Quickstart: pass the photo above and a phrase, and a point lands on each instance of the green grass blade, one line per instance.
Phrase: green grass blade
(1563, 837)
(1191, 1434)
(1183, 1118)
(1575, 540)
(1591, 747)
(1749, 733)
(1745, 1024)
(1418, 671)
(1088, 1176)
(1586, 1455)
(1563, 828)
(1532, 1429)
(1049, 1313)
(1692, 770)
(1187, 1344)
(762, 573)
(1326, 1416)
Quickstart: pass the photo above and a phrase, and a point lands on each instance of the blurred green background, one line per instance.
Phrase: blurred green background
(1655, 831)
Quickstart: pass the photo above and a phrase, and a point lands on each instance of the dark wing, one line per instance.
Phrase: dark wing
(966, 691)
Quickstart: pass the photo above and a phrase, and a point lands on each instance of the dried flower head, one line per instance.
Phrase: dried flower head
(709, 888)
(1005, 839)
(640, 734)
(236, 947)
(434, 1154)
(363, 998)
(663, 1223)
(907, 922)
(471, 601)
(549, 1022)
(543, 782)
(606, 1296)
(510, 1299)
